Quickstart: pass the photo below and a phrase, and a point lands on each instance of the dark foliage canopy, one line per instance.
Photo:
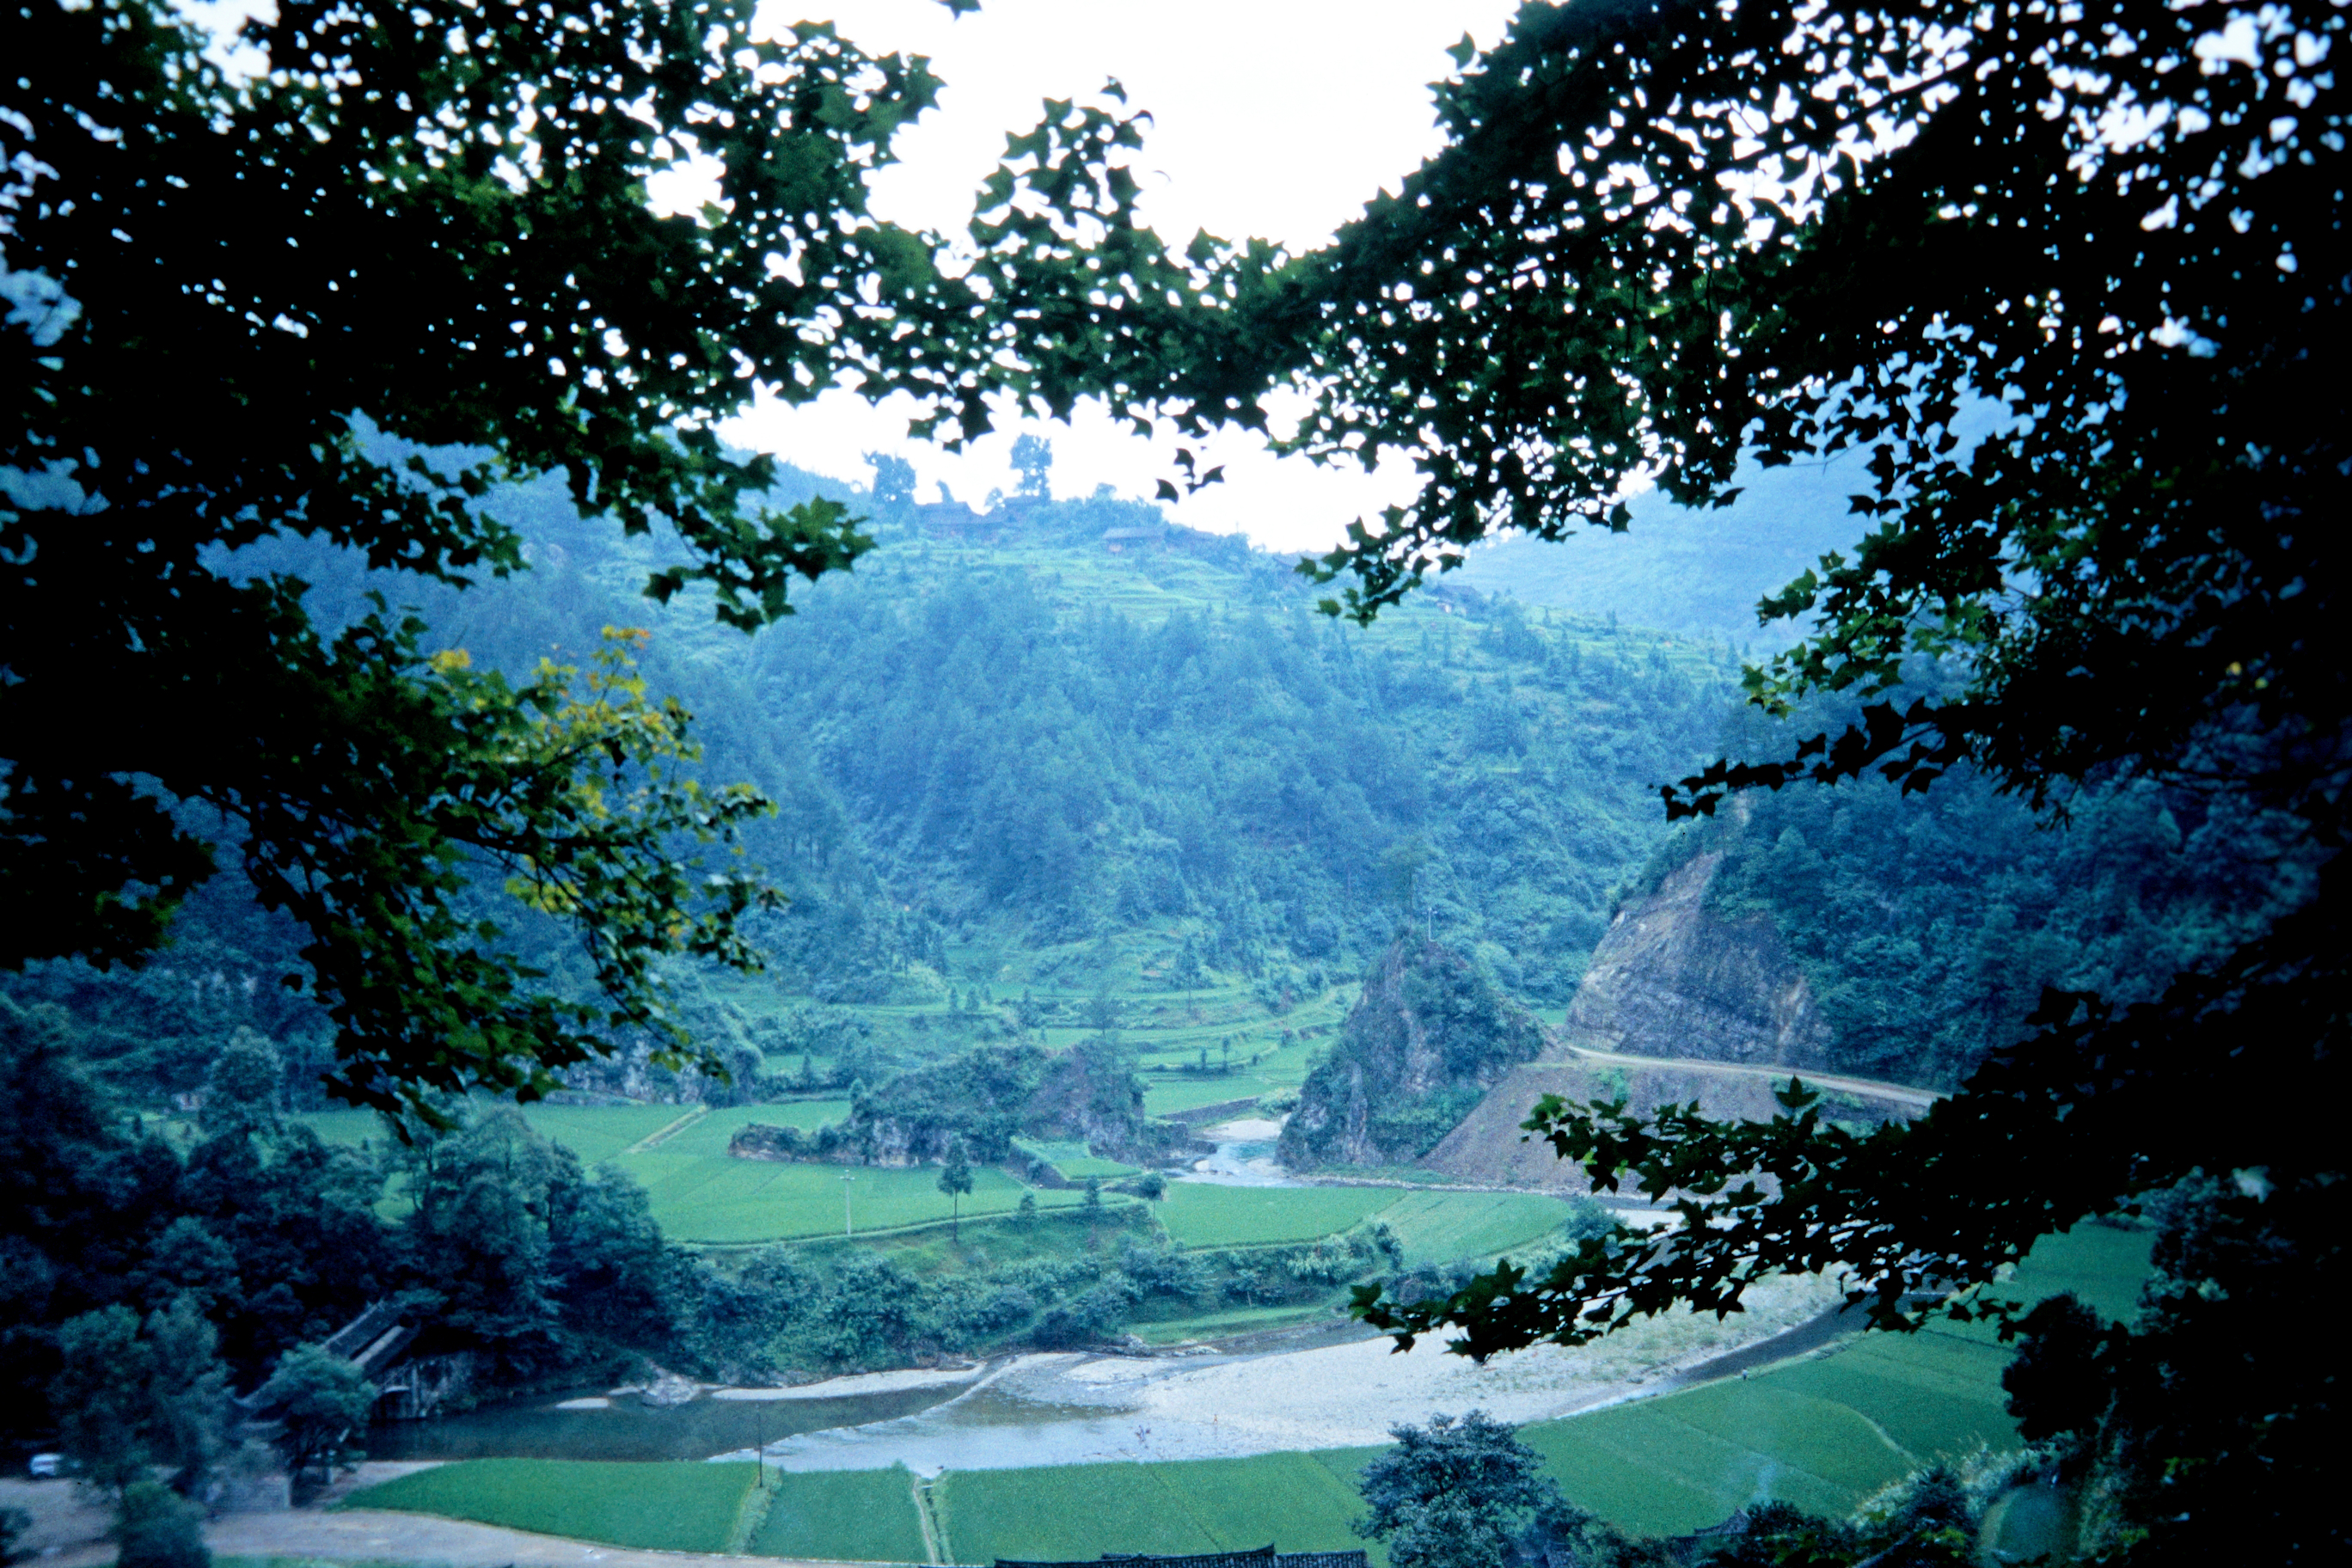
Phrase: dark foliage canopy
(430, 221)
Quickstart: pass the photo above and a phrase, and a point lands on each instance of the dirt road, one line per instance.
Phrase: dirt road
(1900, 1093)
(373, 1535)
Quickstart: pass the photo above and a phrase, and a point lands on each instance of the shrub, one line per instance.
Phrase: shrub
(158, 1528)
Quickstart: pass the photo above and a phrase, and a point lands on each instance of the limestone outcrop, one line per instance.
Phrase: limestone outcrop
(1673, 978)
(1428, 1037)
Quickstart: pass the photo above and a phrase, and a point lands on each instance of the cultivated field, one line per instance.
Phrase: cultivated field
(702, 1198)
(864, 1516)
(660, 1507)
(1437, 1227)
(1433, 1226)
(701, 1195)
(1301, 1502)
(1197, 1214)
(1069, 1156)
(1823, 1433)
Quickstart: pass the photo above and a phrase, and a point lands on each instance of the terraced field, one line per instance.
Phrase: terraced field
(1279, 1068)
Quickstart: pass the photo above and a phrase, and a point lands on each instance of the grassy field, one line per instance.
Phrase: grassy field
(1437, 1228)
(1069, 1156)
(1299, 1501)
(1197, 1214)
(865, 1516)
(661, 1507)
(701, 1197)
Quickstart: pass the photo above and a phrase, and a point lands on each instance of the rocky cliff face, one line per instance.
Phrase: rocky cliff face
(1672, 979)
(984, 1098)
(1089, 1091)
(1428, 1038)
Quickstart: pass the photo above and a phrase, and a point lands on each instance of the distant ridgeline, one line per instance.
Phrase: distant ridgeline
(1000, 729)
(1699, 571)
(1429, 1038)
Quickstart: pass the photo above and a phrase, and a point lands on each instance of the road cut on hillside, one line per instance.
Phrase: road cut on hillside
(1902, 1094)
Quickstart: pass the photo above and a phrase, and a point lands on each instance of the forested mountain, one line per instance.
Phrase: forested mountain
(1024, 731)
(1016, 734)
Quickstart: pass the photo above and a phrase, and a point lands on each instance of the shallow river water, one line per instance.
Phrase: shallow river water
(537, 1428)
(863, 1425)
(1325, 1385)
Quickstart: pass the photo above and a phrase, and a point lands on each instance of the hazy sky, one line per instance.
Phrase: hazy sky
(1272, 117)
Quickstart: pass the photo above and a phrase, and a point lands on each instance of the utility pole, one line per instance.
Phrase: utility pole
(846, 1227)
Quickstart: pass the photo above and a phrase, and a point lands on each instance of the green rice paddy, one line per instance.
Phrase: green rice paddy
(1823, 1433)
(1302, 1502)
(702, 1195)
(1437, 1227)
(699, 1197)
(1197, 1214)
(863, 1515)
(658, 1507)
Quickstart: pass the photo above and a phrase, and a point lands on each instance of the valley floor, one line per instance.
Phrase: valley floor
(1076, 1408)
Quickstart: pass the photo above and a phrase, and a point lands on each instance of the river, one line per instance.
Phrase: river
(1327, 1384)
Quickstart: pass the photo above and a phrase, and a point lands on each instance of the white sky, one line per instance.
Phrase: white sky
(1274, 118)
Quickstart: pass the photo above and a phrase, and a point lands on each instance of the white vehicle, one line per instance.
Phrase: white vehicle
(48, 1464)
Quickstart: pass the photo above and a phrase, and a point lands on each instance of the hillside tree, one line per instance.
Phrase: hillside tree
(955, 1181)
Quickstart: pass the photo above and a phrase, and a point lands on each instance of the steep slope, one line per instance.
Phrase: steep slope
(1429, 1035)
(1488, 1146)
(1674, 977)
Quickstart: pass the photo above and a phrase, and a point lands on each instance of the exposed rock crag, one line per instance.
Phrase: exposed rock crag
(1428, 1037)
(984, 1098)
(1672, 978)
